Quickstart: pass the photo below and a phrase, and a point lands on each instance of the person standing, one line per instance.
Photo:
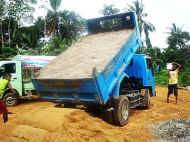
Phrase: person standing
(173, 81)
(4, 111)
(4, 84)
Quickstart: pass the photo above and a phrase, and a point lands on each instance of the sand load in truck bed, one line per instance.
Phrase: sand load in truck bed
(92, 51)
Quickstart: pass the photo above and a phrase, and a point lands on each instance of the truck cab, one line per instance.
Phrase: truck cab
(140, 70)
(13, 68)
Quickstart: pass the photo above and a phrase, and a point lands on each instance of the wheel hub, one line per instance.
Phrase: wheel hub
(10, 100)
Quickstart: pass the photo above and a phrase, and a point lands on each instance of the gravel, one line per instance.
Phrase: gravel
(176, 130)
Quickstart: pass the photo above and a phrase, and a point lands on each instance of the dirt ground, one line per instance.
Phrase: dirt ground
(43, 122)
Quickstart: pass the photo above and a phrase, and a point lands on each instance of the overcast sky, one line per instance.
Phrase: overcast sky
(162, 13)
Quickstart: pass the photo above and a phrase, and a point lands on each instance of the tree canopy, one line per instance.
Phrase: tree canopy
(109, 10)
(58, 26)
(144, 25)
(177, 37)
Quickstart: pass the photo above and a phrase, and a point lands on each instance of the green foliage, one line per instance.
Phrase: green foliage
(14, 11)
(10, 25)
(71, 25)
(54, 47)
(110, 23)
(2, 8)
(156, 55)
(2, 13)
(40, 26)
(66, 27)
(181, 56)
(55, 4)
(53, 17)
(161, 78)
(26, 37)
(8, 52)
(109, 10)
(177, 37)
(17, 9)
(185, 78)
(66, 24)
(178, 47)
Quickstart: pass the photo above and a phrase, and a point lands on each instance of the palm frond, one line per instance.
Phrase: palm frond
(55, 4)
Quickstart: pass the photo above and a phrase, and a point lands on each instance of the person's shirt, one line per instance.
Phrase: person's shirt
(173, 77)
(3, 85)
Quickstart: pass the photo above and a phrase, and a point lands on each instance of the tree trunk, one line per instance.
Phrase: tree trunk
(45, 28)
(57, 24)
(9, 33)
(2, 39)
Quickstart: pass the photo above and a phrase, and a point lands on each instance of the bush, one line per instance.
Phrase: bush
(54, 47)
(184, 78)
(8, 52)
(161, 78)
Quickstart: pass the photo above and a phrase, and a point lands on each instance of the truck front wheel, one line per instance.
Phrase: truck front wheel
(121, 110)
(10, 99)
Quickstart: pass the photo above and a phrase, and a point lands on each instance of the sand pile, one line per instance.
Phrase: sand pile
(24, 133)
(64, 125)
(91, 51)
(50, 119)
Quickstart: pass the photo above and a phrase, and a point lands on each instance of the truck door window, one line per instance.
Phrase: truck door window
(9, 68)
(26, 75)
(29, 73)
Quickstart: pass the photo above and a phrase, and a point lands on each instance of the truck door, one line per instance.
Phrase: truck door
(28, 73)
(13, 68)
(150, 75)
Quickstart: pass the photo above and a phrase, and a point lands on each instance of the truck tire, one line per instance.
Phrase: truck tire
(121, 110)
(10, 99)
(108, 116)
(146, 100)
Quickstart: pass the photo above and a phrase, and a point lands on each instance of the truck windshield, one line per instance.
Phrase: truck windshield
(8, 68)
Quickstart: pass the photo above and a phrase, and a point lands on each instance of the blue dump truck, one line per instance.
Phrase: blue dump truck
(102, 68)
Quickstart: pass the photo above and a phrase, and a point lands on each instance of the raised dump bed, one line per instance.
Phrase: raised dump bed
(97, 68)
(92, 51)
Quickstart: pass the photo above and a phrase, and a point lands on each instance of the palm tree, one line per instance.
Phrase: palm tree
(177, 37)
(71, 25)
(144, 25)
(53, 16)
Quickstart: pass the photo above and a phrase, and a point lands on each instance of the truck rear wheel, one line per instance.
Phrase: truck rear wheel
(10, 99)
(121, 110)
